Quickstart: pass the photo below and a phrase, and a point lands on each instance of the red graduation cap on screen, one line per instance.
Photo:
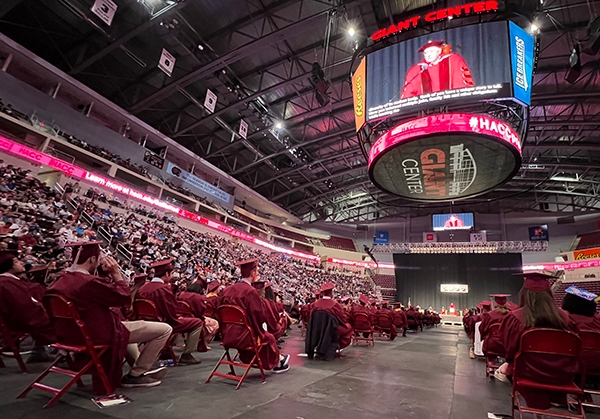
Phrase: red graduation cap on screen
(432, 43)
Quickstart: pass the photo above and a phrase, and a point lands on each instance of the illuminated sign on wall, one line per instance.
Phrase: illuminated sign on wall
(445, 157)
(454, 288)
(464, 10)
(587, 254)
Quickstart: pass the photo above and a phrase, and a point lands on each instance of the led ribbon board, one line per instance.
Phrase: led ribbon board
(445, 157)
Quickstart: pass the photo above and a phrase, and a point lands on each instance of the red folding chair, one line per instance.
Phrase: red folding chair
(385, 330)
(10, 341)
(590, 342)
(547, 343)
(146, 310)
(61, 310)
(184, 309)
(359, 333)
(491, 358)
(233, 315)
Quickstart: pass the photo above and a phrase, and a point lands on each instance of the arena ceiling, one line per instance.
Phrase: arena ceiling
(256, 55)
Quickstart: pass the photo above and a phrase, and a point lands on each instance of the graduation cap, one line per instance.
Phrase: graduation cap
(6, 259)
(500, 299)
(432, 43)
(213, 286)
(162, 267)
(384, 303)
(536, 281)
(85, 250)
(327, 286)
(345, 298)
(364, 299)
(139, 279)
(581, 293)
(247, 267)
(486, 305)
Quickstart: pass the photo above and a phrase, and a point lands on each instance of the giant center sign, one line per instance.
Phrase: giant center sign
(445, 157)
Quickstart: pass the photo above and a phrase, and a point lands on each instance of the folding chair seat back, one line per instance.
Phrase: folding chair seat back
(64, 317)
(146, 310)
(384, 322)
(361, 318)
(184, 309)
(559, 347)
(230, 315)
(10, 340)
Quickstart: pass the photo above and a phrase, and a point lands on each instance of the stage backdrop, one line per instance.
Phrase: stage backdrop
(419, 277)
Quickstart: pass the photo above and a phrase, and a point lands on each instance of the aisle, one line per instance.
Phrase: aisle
(424, 376)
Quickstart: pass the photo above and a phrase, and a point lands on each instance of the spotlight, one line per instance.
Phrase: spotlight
(351, 32)
(200, 47)
(278, 125)
(534, 29)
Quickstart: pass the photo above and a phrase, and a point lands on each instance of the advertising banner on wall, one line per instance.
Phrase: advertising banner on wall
(454, 288)
(587, 254)
(198, 183)
(382, 237)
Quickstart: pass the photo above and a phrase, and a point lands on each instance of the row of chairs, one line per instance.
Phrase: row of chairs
(62, 310)
(368, 335)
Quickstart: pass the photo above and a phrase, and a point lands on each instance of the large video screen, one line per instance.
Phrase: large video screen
(455, 221)
(475, 62)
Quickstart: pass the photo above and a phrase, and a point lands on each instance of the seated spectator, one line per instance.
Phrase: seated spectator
(160, 292)
(94, 298)
(536, 309)
(20, 309)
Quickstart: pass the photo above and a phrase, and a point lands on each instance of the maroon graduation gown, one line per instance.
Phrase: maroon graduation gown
(359, 310)
(385, 322)
(335, 308)
(93, 298)
(197, 304)
(400, 319)
(23, 311)
(275, 323)
(491, 343)
(166, 303)
(537, 368)
(213, 301)
(247, 297)
(591, 360)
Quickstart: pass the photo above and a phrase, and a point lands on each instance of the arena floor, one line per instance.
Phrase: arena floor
(424, 376)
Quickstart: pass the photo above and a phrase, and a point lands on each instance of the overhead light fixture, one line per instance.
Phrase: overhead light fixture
(534, 29)
(351, 31)
(200, 47)
(566, 177)
(278, 125)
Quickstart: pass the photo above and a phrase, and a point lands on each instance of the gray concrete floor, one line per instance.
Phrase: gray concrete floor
(423, 376)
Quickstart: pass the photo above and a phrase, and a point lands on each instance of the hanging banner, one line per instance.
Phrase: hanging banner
(243, 131)
(167, 62)
(105, 10)
(429, 237)
(210, 102)
(479, 237)
(198, 183)
(455, 288)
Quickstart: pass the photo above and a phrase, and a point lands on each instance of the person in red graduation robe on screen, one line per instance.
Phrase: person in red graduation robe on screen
(160, 292)
(328, 304)
(439, 70)
(244, 295)
(21, 309)
(536, 309)
(581, 306)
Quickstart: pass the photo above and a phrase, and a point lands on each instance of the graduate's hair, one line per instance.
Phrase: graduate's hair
(269, 294)
(7, 264)
(539, 310)
(195, 287)
(502, 308)
(577, 305)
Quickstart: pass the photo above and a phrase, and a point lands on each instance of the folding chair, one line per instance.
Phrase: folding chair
(234, 315)
(542, 342)
(590, 342)
(491, 358)
(184, 309)
(61, 310)
(358, 333)
(146, 310)
(385, 330)
(10, 341)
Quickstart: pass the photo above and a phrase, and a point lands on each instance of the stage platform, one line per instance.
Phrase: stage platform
(427, 375)
(451, 320)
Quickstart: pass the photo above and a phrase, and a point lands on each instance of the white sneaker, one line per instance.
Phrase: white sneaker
(501, 377)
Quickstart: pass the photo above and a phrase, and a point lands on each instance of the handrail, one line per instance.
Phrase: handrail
(105, 234)
(125, 253)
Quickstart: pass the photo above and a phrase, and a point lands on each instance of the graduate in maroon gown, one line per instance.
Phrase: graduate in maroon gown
(361, 308)
(328, 304)
(95, 298)
(275, 323)
(536, 309)
(159, 291)
(213, 300)
(400, 319)
(491, 318)
(193, 296)
(581, 306)
(245, 296)
(20, 309)
(385, 320)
